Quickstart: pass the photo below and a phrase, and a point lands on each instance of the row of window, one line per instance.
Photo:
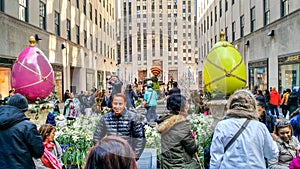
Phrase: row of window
(107, 28)
(208, 22)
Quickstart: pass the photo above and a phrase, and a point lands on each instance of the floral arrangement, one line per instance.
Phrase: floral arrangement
(201, 125)
(76, 139)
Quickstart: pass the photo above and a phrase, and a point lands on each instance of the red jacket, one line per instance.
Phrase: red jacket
(275, 98)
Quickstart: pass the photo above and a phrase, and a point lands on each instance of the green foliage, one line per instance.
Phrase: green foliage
(76, 139)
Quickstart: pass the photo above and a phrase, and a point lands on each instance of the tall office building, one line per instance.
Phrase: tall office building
(158, 33)
(78, 37)
(264, 31)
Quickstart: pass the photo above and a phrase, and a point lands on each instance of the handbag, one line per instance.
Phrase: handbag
(237, 134)
(146, 104)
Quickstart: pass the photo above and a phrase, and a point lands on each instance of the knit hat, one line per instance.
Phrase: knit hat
(19, 101)
(242, 104)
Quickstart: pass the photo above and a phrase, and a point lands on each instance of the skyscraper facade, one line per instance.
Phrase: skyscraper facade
(158, 33)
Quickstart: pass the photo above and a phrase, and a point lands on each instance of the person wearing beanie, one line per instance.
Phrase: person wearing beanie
(254, 143)
(19, 138)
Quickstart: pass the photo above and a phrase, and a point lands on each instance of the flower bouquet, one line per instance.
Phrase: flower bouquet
(76, 139)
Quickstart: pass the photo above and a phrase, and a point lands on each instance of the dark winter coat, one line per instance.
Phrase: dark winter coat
(269, 120)
(19, 140)
(127, 125)
(130, 95)
(178, 146)
(174, 90)
(293, 102)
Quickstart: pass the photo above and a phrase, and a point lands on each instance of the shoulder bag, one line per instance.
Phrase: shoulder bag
(237, 134)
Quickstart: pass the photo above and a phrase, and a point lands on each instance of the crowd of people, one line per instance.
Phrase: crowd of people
(252, 134)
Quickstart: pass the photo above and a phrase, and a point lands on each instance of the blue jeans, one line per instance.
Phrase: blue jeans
(151, 110)
(272, 108)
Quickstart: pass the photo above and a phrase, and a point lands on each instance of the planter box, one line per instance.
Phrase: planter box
(148, 159)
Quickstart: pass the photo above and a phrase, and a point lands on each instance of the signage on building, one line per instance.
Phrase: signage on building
(262, 63)
(286, 59)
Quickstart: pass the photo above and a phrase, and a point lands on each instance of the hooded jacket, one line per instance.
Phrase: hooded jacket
(275, 98)
(251, 146)
(178, 146)
(19, 139)
(127, 125)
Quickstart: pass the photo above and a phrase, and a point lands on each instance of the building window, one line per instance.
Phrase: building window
(242, 25)
(233, 31)
(100, 21)
(91, 12)
(85, 39)
(68, 29)
(266, 12)
(226, 34)
(97, 45)
(207, 22)
(57, 23)
(101, 47)
(284, 7)
(220, 4)
(23, 10)
(226, 5)
(84, 7)
(77, 4)
(211, 18)
(252, 19)
(91, 41)
(2, 5)
(96, 17)
(216, 15)
(77, 34)
(42, 15)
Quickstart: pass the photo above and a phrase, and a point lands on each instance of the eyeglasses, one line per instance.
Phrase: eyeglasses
(282, 123)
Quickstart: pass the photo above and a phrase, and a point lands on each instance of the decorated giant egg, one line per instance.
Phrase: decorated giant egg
(32, 74)
(224, 69)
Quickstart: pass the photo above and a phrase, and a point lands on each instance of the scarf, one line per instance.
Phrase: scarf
(48, 159)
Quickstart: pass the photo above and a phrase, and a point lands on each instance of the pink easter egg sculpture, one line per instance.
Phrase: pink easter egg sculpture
(32, 74)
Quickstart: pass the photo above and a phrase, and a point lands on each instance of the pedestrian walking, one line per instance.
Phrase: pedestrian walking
(251, 146)
(130, 96)
(72, 106)
(150, 98)
(284, 102)
(19, 138)
(274, 101)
